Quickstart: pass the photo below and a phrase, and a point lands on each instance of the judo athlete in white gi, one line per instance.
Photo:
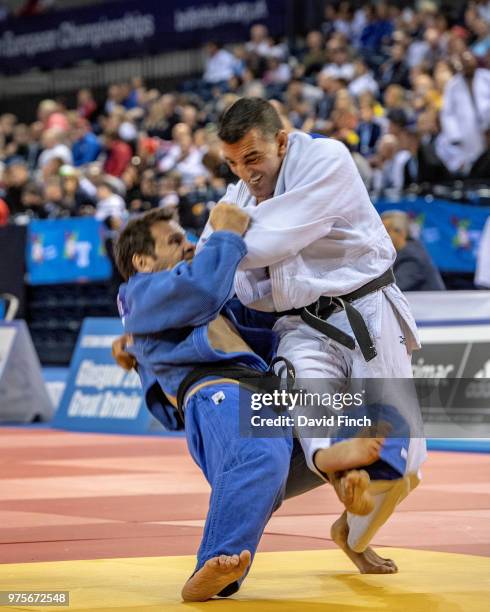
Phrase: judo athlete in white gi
(315, 235)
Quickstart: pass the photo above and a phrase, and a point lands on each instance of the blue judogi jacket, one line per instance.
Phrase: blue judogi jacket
(168, 314)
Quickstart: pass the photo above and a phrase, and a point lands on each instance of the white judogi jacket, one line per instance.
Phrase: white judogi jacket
(318, 235)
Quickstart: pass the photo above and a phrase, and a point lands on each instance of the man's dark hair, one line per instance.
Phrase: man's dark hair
(399, 117)
(136, 238)
(245, 114)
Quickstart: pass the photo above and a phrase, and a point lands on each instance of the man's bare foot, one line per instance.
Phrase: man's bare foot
(367, 562)
(352, 489)
(348, 454)
(214, 575)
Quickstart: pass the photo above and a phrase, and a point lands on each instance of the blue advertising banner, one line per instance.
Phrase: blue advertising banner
(66, 250)
(450, 232)
(128, 28)
(99, 395)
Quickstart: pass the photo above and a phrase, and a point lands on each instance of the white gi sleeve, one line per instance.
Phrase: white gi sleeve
(254, 289)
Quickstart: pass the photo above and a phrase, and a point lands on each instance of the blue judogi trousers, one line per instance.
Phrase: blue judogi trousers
(247, 475)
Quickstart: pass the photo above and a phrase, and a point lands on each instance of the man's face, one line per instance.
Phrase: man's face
(257, 159)
(426, 123)
(17, 175)
(31, 199)
(367, 113)
(103, 192)
(339, 56)
(78, 133)
(398, 237)
(171, 246)
(53, 192)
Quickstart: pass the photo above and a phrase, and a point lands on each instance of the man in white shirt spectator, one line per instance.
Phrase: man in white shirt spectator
(277, 72)
(183, 156)
(109, 203)
(390, 161)
(340, 67)
(220, 64)
(260, 43)
(363, 80)
(426, 51)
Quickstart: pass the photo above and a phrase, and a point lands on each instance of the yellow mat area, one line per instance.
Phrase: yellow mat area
(310, 581)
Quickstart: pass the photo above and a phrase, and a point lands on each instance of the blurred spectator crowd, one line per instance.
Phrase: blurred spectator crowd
(406, 90)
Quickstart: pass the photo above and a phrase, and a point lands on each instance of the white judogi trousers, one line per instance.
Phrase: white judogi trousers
(315, 356)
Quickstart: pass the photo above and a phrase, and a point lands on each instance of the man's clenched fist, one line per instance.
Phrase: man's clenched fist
(230, 218)
(120, 354)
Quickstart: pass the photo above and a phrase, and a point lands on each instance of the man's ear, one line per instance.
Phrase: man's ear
(282, 142)
(142, 263)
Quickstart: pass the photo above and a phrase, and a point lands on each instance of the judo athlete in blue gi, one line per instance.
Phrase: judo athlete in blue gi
(178, 316)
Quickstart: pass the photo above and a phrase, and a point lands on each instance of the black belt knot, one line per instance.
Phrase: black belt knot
(315, 315)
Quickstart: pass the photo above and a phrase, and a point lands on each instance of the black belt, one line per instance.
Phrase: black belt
(225, 369)
(316, 315)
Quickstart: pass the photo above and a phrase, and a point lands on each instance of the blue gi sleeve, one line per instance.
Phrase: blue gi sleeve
(189, 295)
(251, 318)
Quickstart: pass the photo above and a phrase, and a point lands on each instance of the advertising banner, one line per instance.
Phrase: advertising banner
(99, 395)
(129, 28)
(66, 250)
